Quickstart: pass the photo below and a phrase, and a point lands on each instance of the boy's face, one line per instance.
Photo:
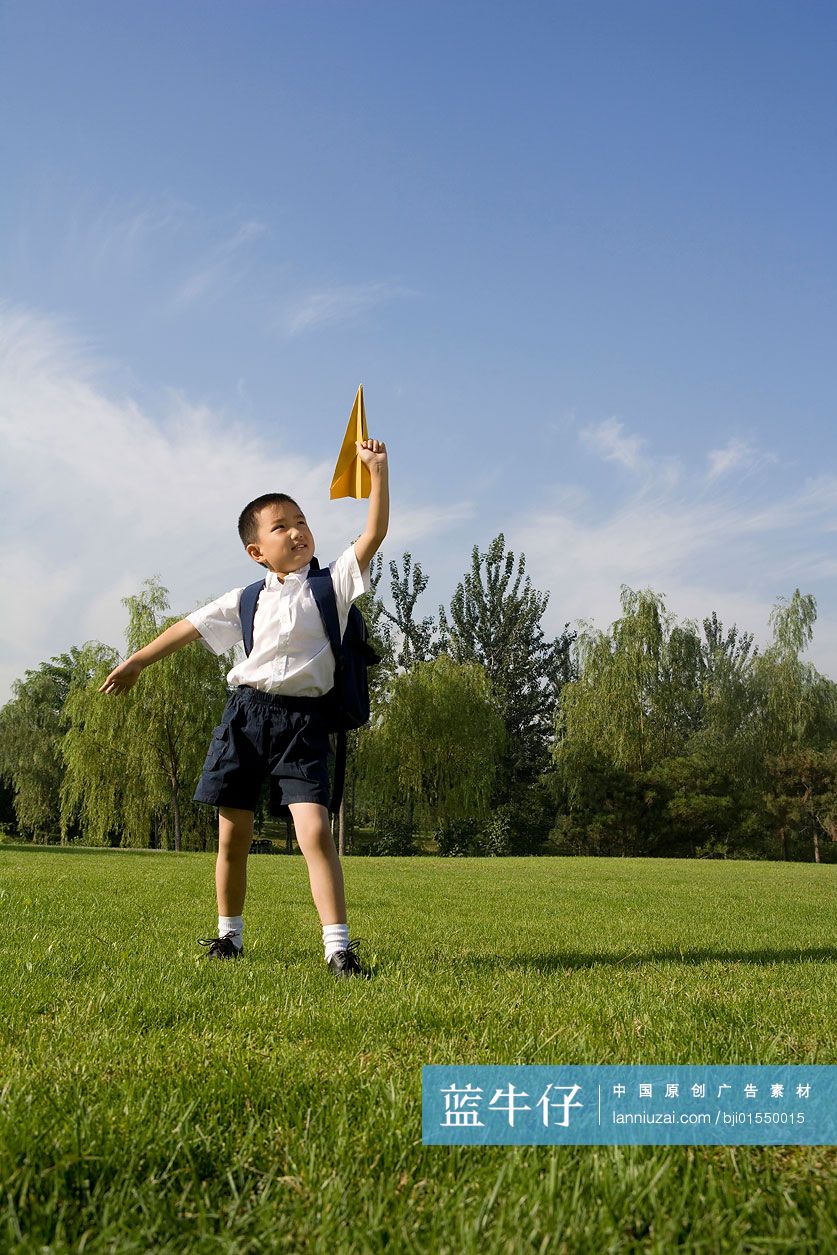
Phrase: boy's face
(284, 542)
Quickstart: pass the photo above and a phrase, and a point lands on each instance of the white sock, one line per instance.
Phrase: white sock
(232, 924)
(335, 937)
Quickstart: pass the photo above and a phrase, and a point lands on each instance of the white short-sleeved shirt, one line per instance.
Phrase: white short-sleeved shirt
(291, 652)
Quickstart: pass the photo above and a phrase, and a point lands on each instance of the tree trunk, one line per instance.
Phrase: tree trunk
(341, 828)
(175, 810)
(816, 836)
(289, 837)
(829, 827)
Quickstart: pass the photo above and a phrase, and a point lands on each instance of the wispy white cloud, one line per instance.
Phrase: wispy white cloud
(119, 232)
(337, 304)
(609, 439)
(99, 494)
(220, 268)
(701, 540)
(703, 545)
(247, 232)
(738, 455)
(611, 442)
(413, 523)
(113, 236)
(122, 234)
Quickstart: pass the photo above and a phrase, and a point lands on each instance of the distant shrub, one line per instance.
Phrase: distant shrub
(392, 834)
(567, 837)
(458, 838)
(496, 838)
(712, 849)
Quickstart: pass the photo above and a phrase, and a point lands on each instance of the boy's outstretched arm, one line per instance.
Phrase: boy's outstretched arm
(374, 454)
(125, 676)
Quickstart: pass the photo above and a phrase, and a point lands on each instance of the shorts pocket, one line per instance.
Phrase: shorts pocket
(317, 734)
(218, 747)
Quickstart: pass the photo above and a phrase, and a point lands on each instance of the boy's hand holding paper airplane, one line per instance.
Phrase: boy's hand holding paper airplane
(358, 456)
(363, 471)
(373, 453)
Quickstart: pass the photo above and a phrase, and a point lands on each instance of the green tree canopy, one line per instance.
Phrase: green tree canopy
(135, 757)
(435, 743)
(497, 623)
(797, 706)
(415, 640)
(801, 799)
(637, 698)
(32, 727)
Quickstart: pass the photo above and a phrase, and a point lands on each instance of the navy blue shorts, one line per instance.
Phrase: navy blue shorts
(267, 735)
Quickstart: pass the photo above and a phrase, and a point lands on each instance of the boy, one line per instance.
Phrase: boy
(273, 721)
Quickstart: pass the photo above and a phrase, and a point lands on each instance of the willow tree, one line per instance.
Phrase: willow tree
(798, 705)
(796, 719)
(435, 744)
(30, 752)
(635, 704)
(32, 726)
(636, 700)
(133, 759)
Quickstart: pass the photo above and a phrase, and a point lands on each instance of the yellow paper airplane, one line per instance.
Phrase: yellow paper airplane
(351, 477)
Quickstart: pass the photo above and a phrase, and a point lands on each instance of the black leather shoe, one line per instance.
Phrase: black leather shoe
(222, 947)
(345, 963)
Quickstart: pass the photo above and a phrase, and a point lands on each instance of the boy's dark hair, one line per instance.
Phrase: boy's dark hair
(248, 520)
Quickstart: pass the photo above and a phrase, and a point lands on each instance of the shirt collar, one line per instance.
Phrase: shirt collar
(272, 579)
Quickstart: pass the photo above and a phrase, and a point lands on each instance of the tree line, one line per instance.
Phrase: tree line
(487, 736)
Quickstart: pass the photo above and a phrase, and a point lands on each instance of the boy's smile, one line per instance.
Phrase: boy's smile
(284, 543)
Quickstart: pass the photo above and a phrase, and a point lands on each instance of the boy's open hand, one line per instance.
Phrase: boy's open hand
(123, 677)
(372, 452)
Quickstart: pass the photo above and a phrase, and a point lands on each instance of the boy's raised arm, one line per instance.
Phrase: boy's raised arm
(125, 676)
(374, 454)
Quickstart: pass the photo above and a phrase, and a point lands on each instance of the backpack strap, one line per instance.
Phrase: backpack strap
(247, 612)
(322, 590)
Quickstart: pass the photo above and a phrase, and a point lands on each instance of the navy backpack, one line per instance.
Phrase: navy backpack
(349, 699)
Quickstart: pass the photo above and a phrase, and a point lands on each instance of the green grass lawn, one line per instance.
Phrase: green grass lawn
(154, 1101)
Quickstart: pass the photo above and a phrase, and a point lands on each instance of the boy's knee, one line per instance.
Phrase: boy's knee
(234, 815)
(310, 818)
(235, 831)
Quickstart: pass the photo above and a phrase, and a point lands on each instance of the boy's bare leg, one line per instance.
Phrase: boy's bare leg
(313, 834)
(235, 833)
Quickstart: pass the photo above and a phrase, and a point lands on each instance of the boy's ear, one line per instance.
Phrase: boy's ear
(255, 553)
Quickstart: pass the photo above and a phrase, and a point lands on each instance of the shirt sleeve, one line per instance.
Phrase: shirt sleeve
(348, 580)
(218, 622)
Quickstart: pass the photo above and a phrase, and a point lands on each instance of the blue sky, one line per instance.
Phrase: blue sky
(581, 256)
